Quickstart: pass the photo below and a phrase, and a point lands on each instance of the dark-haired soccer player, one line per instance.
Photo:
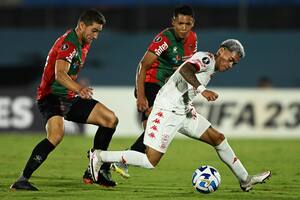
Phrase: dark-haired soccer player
(169, 49)
(174, 112)
(60, 97)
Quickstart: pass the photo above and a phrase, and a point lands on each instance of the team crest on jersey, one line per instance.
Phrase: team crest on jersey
(64, 47)
(174, 49)
(157, 39)
(206, 60)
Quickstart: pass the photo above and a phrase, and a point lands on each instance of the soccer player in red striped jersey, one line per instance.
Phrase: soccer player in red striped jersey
(60, 97)
(169, 49)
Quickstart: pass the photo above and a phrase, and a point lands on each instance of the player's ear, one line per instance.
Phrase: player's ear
(193, 22)
(81, 25)
(173, 21)
(220, 50)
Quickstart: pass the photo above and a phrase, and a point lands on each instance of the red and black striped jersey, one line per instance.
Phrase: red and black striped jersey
(67, 47)
(171, 54)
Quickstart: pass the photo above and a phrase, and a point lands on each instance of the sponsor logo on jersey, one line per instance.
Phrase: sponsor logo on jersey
(161, 48)
(157, 39)
(71, 56)
(64, 47)
(206, 60)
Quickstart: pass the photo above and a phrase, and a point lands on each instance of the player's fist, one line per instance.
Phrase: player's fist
(209, 95)
(86, 92)
(142, 103)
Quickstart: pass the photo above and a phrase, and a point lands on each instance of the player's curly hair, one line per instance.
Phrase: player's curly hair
(88, 17)
(234, 45)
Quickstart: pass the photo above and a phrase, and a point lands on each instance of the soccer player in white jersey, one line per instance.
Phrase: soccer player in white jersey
(173, 112)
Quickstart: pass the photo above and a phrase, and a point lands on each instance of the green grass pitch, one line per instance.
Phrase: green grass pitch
(60, 176)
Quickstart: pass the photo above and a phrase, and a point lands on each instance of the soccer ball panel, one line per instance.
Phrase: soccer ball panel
(206, 179)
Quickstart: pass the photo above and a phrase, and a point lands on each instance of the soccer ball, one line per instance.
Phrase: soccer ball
(206, 179)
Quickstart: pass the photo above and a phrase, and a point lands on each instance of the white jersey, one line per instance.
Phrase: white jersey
(177, 94)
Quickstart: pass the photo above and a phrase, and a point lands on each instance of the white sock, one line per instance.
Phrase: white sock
(227, 156)
(129, 157)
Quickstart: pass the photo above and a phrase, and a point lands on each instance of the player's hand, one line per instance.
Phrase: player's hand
(86, 93)
(148, 111)
(142, 104)
(210, 95)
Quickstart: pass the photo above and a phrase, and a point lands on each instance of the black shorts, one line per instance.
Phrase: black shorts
(76, 109)
(151, 90)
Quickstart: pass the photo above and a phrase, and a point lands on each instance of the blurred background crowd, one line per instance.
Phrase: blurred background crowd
(270, 31)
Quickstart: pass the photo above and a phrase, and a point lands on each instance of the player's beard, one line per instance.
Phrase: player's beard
(85, 40)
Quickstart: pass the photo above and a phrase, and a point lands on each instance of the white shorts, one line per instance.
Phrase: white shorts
(163, 125)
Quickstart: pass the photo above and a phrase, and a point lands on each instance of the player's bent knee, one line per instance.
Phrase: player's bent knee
(215, 137)
(55, 139)
(116, 121)
(221, 137)
(148, 164)
(113, 122)
(55, 134)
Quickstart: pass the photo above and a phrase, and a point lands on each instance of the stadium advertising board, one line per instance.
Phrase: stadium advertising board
(254, 112)
(236, 113)
(19, 113)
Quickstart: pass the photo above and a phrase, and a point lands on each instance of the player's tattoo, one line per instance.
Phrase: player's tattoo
(188, 72)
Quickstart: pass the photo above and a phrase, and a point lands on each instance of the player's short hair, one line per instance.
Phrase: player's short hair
(184, 10)
(88, 17)
(234, 45)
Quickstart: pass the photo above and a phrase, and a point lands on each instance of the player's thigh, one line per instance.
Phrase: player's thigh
(92, 112)
(194, 126)
(101, 115)
(52, 111)
(50, 106)
(80, 110)
(161, 128)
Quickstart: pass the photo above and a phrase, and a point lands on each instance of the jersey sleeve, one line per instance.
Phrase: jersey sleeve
(200, 60)
(66, 51)
(159, 45)
(196, 44)
(193, 41)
